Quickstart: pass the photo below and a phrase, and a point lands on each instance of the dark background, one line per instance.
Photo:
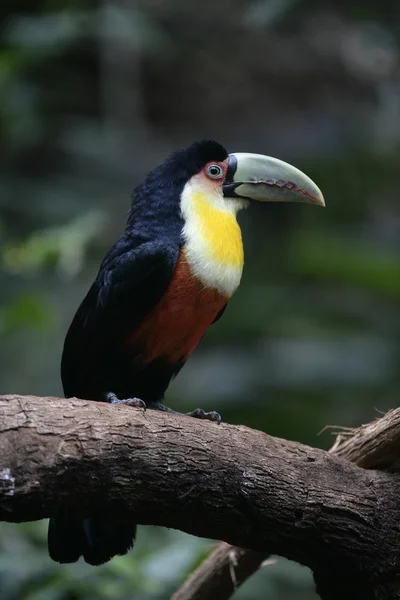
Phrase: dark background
(93, 95)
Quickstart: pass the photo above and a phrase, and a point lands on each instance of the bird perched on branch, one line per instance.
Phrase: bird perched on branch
(164, 282)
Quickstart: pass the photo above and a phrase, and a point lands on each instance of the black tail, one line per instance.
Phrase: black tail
(97, 540)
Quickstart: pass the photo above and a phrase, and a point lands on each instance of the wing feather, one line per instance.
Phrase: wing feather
(130, 282)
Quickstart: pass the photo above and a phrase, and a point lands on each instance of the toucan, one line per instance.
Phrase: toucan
(164, 282)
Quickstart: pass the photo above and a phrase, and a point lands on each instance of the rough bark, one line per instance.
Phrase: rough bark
(375, 445)
(223, 482)
(221, 573)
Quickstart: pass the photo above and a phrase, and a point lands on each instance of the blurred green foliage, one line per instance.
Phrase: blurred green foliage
(94, 94)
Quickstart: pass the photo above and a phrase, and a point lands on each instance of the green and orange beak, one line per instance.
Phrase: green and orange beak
(267, 179)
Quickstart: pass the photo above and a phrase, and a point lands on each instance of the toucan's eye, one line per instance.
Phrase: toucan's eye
(215, 171)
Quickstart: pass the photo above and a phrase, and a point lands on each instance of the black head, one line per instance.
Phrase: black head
(157, 199)
(191, 160)
(181, 165)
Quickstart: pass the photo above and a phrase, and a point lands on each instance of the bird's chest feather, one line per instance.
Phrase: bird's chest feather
(174, 327)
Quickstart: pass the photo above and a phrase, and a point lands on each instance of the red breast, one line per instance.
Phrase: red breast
(177, 323)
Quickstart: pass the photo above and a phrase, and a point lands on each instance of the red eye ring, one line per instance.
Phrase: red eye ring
(215, 171)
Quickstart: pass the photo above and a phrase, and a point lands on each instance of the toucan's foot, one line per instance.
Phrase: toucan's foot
(136, 402)
(199, 413)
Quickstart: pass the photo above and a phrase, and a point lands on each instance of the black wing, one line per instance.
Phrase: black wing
(130, 283)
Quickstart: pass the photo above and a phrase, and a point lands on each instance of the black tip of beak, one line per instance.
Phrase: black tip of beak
(229, 185)
(231, 170)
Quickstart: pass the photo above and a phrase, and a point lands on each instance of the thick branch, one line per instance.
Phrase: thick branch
(375, 445)
(223, 482)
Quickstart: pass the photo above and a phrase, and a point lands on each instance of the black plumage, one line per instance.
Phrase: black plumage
(96, 359)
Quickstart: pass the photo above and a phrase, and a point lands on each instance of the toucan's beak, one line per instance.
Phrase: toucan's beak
(267, 179)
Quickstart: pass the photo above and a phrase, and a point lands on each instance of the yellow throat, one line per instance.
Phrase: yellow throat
(221, 231)
(213, 238)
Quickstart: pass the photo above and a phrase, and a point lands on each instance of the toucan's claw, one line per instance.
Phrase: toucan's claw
(135, 402)
(199, 413)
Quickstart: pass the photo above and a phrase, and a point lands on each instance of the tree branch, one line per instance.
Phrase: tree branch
(222, 482)
(375, 445)
(220, 574)
(372, 446)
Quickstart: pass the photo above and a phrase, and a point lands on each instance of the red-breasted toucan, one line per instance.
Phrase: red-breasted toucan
(164, 282)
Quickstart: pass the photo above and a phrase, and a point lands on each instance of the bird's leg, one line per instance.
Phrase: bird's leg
(113, 399)
(198, 413)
